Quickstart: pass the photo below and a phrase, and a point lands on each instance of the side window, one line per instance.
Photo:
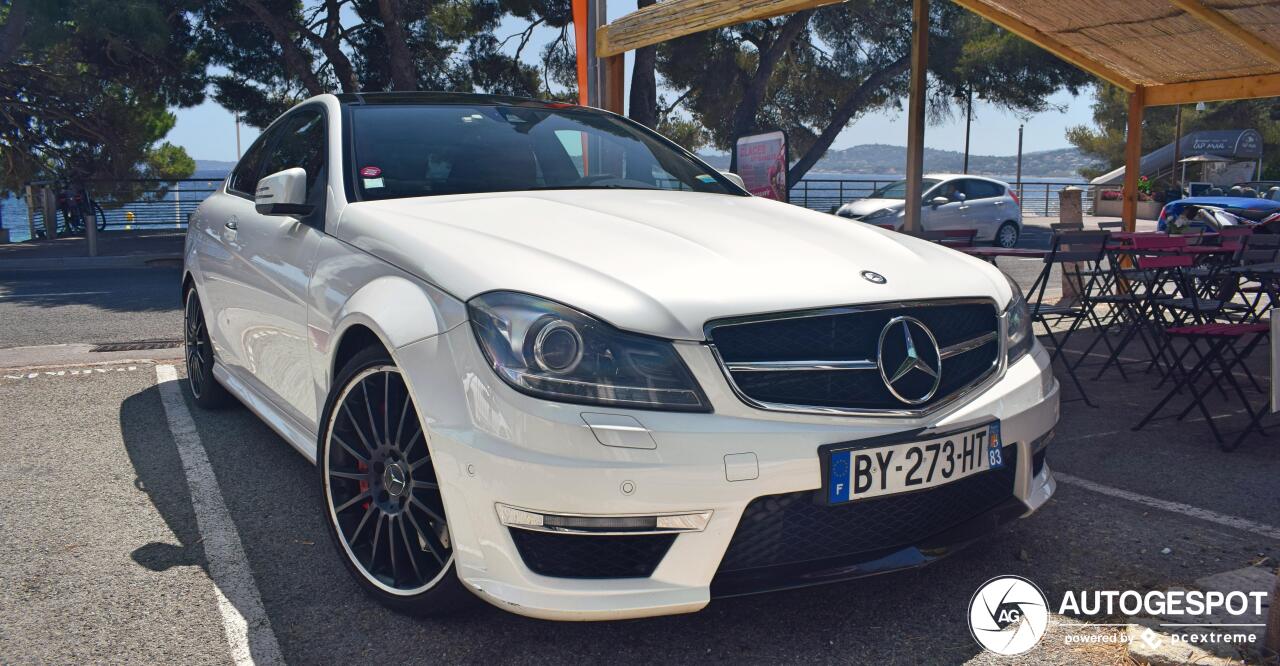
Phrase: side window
(949, 190)
(245, 177)
(302, 141)
(982, 189)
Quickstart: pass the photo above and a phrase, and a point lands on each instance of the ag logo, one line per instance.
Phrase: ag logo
(1008, 615)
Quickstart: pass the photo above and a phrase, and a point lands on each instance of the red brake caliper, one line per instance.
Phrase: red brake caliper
(364, 485)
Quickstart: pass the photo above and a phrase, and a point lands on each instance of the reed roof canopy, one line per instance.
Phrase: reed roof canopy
(1180, 51)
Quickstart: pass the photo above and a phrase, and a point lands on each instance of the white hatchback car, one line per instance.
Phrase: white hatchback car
(951, 202)
(543, 355)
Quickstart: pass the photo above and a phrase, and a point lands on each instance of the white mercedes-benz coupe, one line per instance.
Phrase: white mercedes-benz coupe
(543, 356)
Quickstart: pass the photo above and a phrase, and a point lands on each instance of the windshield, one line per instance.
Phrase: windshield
(424, 150)
(898, 190)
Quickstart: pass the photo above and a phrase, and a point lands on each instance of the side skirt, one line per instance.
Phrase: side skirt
(295, 435)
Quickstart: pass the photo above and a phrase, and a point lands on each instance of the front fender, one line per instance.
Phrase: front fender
(351, 288)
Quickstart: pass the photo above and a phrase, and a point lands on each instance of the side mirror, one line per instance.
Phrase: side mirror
(939, 201)
(283, 193)
(734, 178)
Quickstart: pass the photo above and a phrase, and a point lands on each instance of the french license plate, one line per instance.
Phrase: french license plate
(862, 473)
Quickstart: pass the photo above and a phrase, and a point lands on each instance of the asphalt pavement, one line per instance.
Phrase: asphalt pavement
(89, 305)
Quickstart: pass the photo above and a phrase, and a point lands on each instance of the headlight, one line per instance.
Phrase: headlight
(549, 350)
(882, 213)
(1017, 322)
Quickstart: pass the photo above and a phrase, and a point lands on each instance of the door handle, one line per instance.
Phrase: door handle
(231, 224)
(999, 203)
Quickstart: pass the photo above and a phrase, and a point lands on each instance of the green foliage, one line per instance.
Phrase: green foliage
(276, 53)
(168, 162)
(1106, 139)
(85, 86)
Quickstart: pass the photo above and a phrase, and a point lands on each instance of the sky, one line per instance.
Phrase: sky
(208, 131)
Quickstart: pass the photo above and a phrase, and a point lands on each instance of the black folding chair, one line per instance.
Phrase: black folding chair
(1071, 251)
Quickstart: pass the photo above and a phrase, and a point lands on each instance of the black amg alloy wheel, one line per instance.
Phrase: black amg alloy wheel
(206, 390)
(382, 499)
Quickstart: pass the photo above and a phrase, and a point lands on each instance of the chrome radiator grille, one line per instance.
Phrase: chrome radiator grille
(892, 358)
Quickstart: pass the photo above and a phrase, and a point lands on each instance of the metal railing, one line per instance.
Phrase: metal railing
(125, 204)
(150, 203)
(827, 195)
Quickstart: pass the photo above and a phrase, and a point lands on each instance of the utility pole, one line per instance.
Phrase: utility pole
(1177, 152)
(237, 136)
(1017, 187)
(968, 123)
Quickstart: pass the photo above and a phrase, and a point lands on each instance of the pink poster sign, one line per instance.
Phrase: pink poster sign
(762, 163)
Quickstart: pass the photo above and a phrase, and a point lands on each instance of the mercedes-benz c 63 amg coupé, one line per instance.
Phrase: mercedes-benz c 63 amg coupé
(543, 356)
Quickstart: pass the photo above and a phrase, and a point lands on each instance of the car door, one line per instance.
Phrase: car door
(265, 311)
(219, 243)
(949, 215)
(984, 206)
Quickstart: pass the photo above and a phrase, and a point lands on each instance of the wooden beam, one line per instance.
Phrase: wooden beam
(669, 20)
(1132, 160)
(915, 115)
(612, 89)
(1214, 90)
(1232, 30)
(1047, 42)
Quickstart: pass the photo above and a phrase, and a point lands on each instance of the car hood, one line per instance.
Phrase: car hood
(860, 207)
(658, 262)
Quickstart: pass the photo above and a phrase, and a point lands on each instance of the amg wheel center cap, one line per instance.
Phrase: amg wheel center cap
(394, 480)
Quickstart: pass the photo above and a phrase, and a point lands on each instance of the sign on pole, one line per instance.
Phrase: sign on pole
(762, 164)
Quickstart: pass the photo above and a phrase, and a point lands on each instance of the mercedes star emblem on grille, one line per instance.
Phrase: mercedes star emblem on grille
(909, 360)
(874, 277)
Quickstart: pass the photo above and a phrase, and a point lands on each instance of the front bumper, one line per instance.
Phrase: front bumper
(492, 445)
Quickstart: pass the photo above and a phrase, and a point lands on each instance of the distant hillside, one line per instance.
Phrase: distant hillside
(878, 158)
(212, 169)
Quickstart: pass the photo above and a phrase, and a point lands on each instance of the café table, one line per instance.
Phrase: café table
(992, 253)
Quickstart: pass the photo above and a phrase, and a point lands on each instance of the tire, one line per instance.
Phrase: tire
(377, 479)
(1007, 235)
(206, 390)
(100, 217)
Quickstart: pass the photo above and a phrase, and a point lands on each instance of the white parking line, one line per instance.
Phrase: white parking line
(1244, 524)
(72, 372)
(245, 622)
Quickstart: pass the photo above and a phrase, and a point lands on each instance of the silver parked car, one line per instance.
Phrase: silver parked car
(951, 201)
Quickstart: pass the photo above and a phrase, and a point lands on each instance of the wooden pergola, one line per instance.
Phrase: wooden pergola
(1161, 51)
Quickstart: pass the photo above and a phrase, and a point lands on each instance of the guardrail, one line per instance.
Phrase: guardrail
(129, 204)
(828, 194)
(150, 203)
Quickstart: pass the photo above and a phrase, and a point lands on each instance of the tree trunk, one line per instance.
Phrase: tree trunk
(403, 74)
(296, 61)
(330, 45)
(14, 30)
(744, 115)
(644, 82)
(849, 107)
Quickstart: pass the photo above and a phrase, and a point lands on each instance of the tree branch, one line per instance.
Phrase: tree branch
(849, 106)
(295, 60)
